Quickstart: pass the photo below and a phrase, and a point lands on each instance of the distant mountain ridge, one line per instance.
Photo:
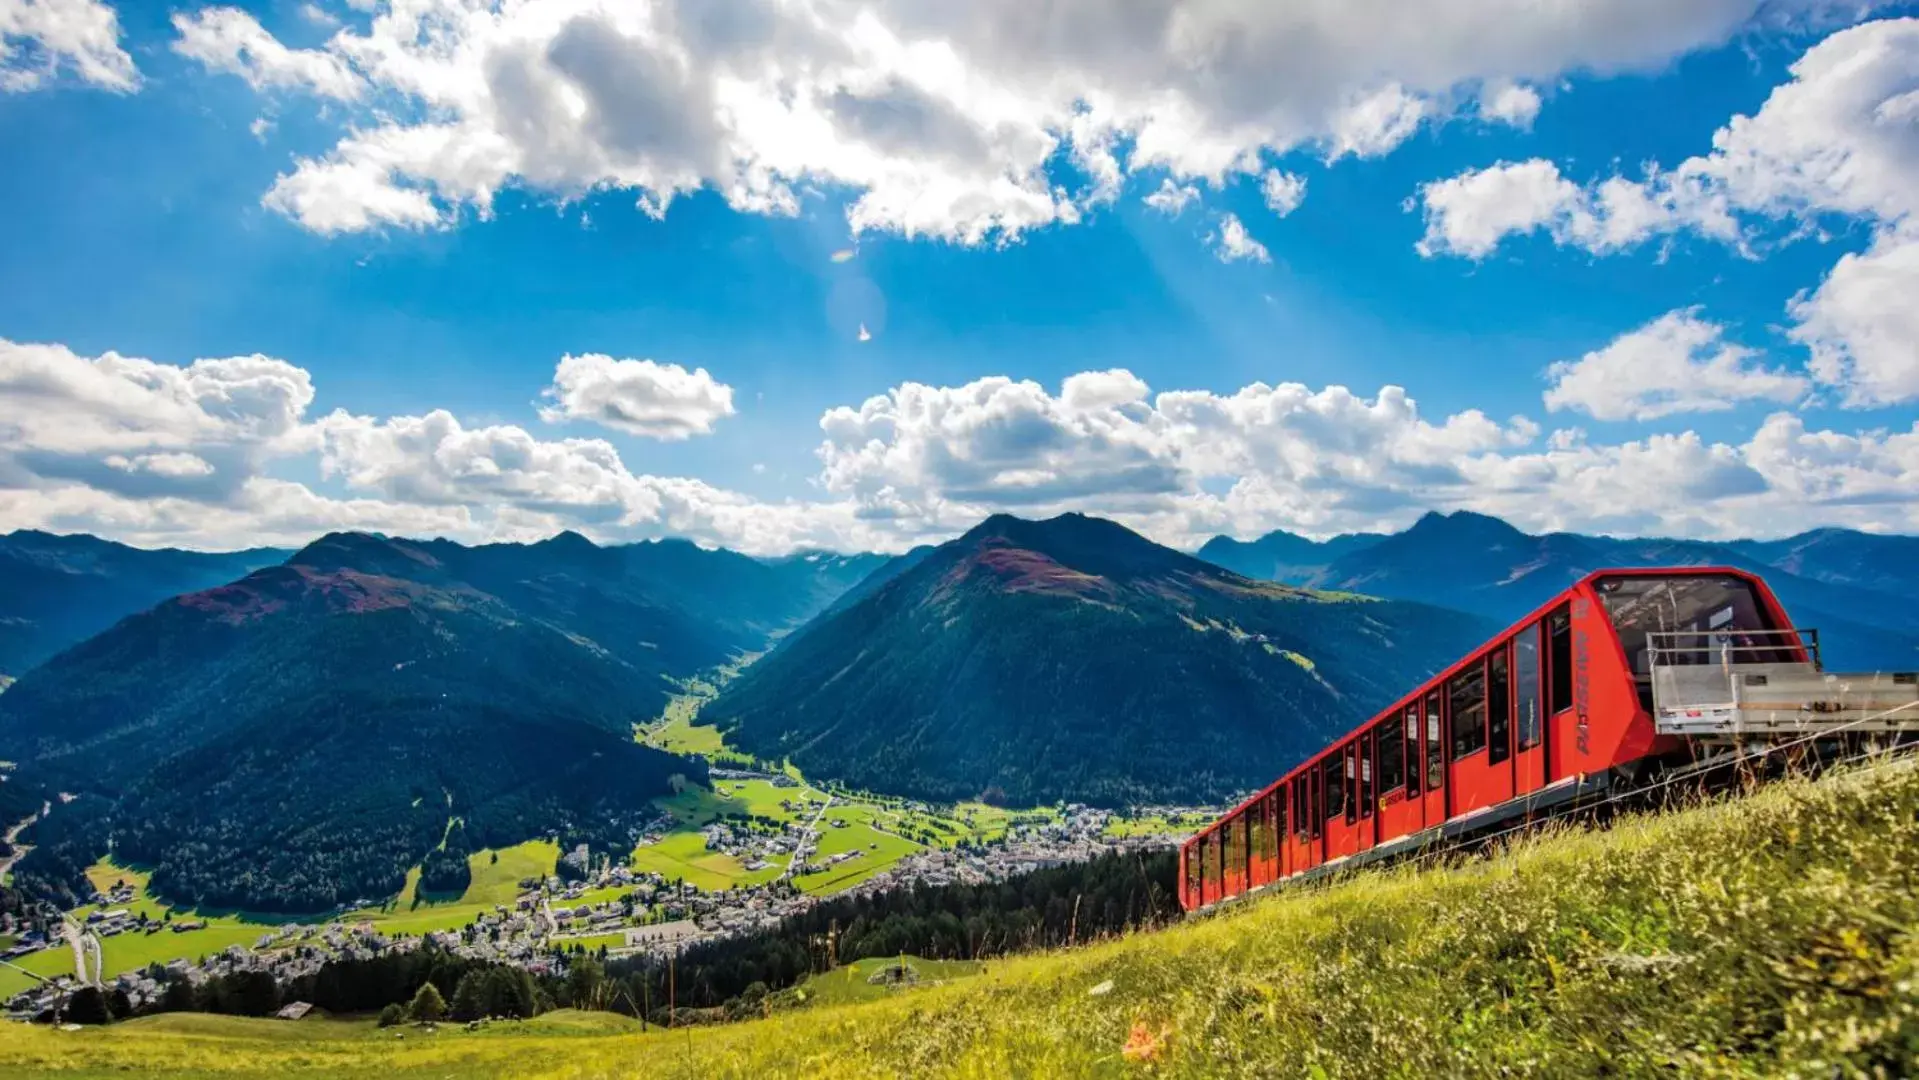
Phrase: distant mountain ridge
(56, 590)
(1072, 658)
(1856, 588)
(297, 738)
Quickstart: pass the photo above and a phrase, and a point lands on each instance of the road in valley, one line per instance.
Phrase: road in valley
(13, 837)
(793, 860)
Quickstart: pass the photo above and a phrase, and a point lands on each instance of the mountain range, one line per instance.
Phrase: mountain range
(56, 591)
(1074, 659)
(290, 732)
(1857, 589)
(298, 738)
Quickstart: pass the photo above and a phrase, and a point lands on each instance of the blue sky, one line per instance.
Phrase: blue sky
(140, 223)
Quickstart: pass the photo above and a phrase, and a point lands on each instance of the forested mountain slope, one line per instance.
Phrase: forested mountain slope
(59, 590)
(1071, 658)
(298, 738)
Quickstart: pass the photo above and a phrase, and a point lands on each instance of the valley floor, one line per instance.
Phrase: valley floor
(865, 840)
(1767, 936)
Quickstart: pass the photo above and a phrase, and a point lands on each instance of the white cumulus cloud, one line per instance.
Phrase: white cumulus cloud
(1504, 101)
(1677, 363)
(230, 40)
(1282, 191)
(938, 120)
(1170, 198)
(1376, 123)
(41, 38)
(1862, 324)
(1182, 465)
(198, 454)
(133, 426)
(1840, 138)
(1471, 214)
(1232, 243)
(638, 397)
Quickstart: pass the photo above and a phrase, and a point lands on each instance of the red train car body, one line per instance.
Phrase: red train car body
(1557, 706)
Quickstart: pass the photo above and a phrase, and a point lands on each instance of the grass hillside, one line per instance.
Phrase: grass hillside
(1763, 937)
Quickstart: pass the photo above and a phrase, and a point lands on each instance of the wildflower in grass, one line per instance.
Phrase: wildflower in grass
(1144, 1043)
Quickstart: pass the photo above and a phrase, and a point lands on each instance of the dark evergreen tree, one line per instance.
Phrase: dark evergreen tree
(88, 1006)
(469, 998)
(583, 977)
(177, 997)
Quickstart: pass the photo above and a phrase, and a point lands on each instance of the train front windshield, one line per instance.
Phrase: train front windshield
(1723, 610)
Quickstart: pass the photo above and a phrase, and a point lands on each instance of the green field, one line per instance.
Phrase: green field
(592, 942)
(1156, 825)
(886, 829)
(683, 856)
(493, 883)
(849, 985)
(126, 952)
(1768, 936)
(879, 849)
(882, 828)
(677, 730)
(763, 798)
(677, 733)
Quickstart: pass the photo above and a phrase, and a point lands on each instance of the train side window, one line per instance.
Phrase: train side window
(1301, 824)
(1526, 686)
(1275, 824)
(1333, 791)
(1466, 693)
(1366, 753)
(1205, 853)
(1498, 707)
(1435, 749)
(1559, 656)
(1391, 739)
(1351, 790)
(1192, 870)
(1235, 857)
(1317, 779)
(1262, 838)
(1415, 770)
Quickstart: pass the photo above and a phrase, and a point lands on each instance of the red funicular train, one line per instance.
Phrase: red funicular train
(1558, 706)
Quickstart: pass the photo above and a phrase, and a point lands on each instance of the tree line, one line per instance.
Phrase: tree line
(1042, 909)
